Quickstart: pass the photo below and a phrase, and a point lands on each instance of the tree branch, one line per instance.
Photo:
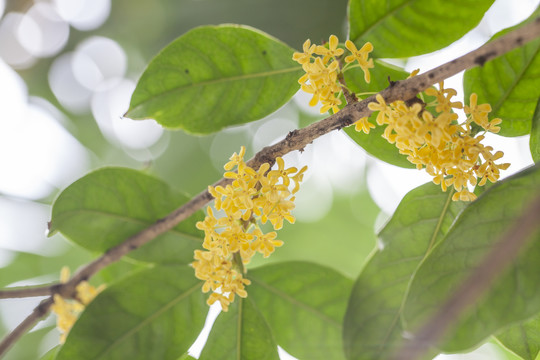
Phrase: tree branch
(493, 265)
(28, 291)
(297, 140)
(40, 311)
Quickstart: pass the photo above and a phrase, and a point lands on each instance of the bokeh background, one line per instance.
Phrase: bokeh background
(67, 70)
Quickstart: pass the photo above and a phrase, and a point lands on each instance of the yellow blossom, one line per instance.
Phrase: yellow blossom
(446, 149)
(232, 240)
(363, 125)
(332, 52)
(305, 57)
(322, 66)
(68, 310)
(361, 56)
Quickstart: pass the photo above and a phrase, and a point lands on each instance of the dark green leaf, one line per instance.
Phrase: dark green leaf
(510, 84)
(154, 314)
(523, 338)
(372, 327)
(105, 207)
(534, 141)
(514, 297)
(241, 333)
(373, 142)
(216, 76)
(404, 28)
(304, 304)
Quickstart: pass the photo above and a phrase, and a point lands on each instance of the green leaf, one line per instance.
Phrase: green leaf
(216, 76)
(51, 354)
(240, 333)
(154, 314)
(534, 141)
(515, 295)
(372, 327)
(186, 357)
(510, 84)
(523, 338)
(105, 207)
(373, 142)
(304, 304)
(404, 28)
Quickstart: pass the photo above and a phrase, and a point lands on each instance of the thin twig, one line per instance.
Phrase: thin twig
(40, 311)
(28, 291)
(470, 291)
(297, 140)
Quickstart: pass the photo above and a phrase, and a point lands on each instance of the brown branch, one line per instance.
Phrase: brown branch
(470, 291)
(298, 139)
(40, 311)
(28, 291)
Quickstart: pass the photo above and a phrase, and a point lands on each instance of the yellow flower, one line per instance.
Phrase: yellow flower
(385, 112)
(478, 113)
(68, 310)
(265, 243)
(443, 98)
(363, 125)
(437, 142)
(232, 240)
(361, 56)
(305, 57)
(332, 51)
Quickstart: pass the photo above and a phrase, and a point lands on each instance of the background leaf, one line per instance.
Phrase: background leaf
(240, 333)
(154, 314)
(510, 84)
(404, 28)
(304, 304)
(373, 142)
(523, 338)
(534, 141)
(105, 207)
(372, 327)
(514, 297)
(216, 76)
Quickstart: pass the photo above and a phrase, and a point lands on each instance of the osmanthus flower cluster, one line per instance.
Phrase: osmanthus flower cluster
(436, 141)
(429, 134)
(323, 66)
(68, 310)
(233, 239)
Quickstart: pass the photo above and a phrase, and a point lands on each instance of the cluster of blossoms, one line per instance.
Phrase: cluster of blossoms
(436, 141)
(232, 240)
(322, 77)
(68, 310)
(432, 139)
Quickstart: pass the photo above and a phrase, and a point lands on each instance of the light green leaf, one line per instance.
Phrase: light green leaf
(523, 338)
(404, 28)
(186, 357)
(154, 314)
(510, 84)
(105, 207)
(373, 142)
(304, 304)
(240, 333)
(514, 297)
(372, 327)
(51, 354)
(216, 76)
(534, 141)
